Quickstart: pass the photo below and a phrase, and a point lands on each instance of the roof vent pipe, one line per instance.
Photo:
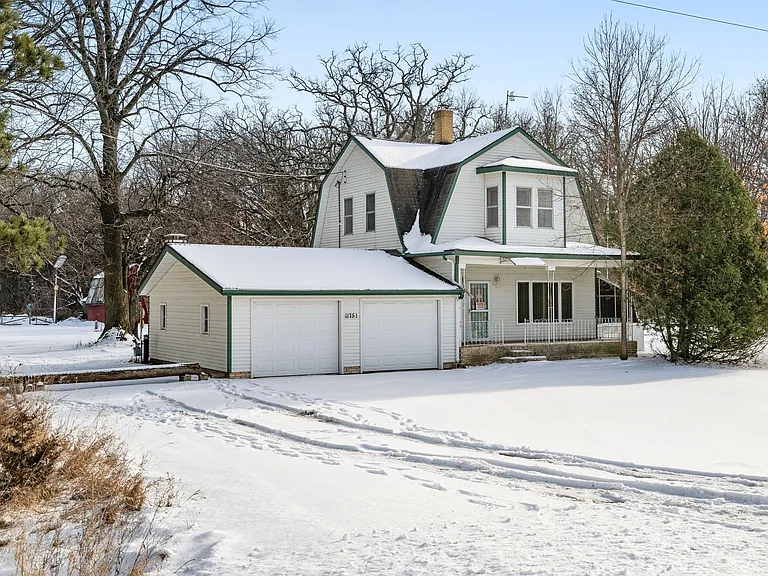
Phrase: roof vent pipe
(443, 126)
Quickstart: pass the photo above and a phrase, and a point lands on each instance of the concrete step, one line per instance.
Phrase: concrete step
(519, 359)
(520, 352)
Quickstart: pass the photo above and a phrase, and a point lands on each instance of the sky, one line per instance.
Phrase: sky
(518, 46)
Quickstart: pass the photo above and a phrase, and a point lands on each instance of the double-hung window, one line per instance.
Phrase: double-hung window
(205, 319)
(163, 316)
(492, 207)
(546, 219)
(523, 208)
(544, 302)
(370, 212)
(347, 216)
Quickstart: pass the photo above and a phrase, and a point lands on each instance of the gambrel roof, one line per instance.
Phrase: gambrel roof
(420, 177)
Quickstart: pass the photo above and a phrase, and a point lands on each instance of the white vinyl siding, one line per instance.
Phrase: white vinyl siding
(465, 215)
(578, 229)
(539, 233)
(241, 334)
(350, 326)
(360, 176)
(183, 294)
(503, 294)
(438, 265)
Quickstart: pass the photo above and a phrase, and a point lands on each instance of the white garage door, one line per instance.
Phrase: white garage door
(399, 335)
(294, 337)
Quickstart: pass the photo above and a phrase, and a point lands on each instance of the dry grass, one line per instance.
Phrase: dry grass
(81, 505)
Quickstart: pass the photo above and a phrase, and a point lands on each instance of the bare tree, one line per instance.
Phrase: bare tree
(135, 70)
(623, 87)
(391, 94)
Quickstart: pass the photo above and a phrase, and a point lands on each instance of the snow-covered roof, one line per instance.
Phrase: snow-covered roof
(417, 156)
(515, 162)
(233, 269)
(422, 245)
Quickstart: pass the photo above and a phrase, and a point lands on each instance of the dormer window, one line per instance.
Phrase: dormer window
(546, 219)
(523, 209)
(492, 207)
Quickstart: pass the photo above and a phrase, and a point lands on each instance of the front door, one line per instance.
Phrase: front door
(478, 310)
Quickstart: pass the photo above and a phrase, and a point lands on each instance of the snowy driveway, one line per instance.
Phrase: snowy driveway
(352, 475)
(514, 469)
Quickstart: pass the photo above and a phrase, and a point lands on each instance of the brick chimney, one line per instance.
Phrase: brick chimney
(443, 126)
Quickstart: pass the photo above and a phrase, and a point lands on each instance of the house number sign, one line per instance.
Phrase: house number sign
(350, 315)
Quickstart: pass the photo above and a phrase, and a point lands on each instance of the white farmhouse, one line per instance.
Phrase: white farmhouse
(499, 215)
(418, 250)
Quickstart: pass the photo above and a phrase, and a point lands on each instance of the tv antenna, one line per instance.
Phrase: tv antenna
(511, 97)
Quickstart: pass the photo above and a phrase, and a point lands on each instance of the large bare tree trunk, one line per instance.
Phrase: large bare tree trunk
(622, 217)
(133, 74)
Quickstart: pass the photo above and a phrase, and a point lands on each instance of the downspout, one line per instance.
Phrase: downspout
(338, 202)
(229, 336)
(503, 207)
(565, 218)
(459, 310)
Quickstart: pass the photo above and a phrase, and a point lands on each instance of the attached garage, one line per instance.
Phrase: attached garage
(294, 337)
(246, 311)
(399, 334)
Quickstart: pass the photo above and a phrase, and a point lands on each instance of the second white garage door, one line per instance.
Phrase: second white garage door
(294, 337)
(399, 335)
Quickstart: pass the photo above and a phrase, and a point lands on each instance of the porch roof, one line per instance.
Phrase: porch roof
(516, 164)
(475, 246)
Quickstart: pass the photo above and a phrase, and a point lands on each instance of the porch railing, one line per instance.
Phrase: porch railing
(581, 329)
(483, 332)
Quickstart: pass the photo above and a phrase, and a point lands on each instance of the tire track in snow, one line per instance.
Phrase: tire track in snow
(603, 465)
(497, 468)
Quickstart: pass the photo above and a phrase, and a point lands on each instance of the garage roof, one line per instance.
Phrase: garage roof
(266, 270)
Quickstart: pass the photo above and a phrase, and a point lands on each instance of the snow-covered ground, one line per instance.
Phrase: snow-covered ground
(513, 469)
(69, 345)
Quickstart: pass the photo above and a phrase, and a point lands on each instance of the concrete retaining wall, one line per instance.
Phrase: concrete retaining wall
(482, 355)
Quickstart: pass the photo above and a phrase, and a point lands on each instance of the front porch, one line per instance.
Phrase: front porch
(532, 294)
(537, 301)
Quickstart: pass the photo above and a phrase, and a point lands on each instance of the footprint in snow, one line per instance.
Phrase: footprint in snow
(531, 507)
(434, 486)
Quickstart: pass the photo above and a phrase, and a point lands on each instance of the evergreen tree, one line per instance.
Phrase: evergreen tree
(24, 243)
(702, 282)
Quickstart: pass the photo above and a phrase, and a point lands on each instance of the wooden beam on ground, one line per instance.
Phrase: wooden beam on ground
(106, 375)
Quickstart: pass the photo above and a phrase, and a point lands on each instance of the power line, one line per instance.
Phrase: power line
(715, 20)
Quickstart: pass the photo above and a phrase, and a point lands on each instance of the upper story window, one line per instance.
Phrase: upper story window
(370, 212)
(347, 216)
(546, 219)
(205, 319)
(523, 209)
(492, 207)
